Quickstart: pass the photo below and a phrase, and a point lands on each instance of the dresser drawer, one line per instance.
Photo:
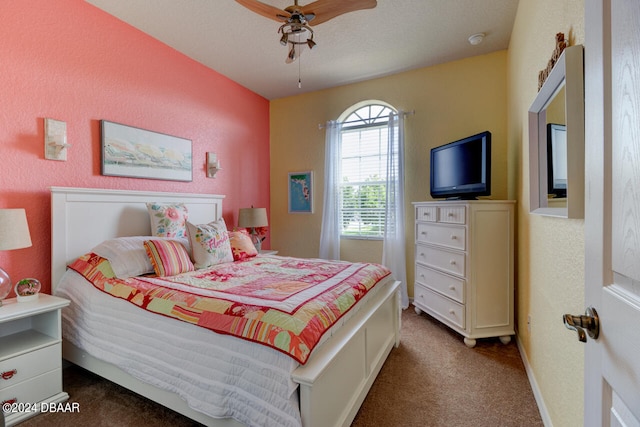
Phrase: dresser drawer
(452, 214)
(451, 236)
(441, 259)
(449, 286)
(29, 365)
(427, 213)
(35, 389)
(440, 305)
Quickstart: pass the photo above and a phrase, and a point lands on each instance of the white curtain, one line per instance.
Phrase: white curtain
(330, 232)
(393, 252)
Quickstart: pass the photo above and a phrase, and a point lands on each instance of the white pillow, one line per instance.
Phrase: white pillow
(209, 243)
(127, 255)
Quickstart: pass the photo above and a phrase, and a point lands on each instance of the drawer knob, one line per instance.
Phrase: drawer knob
(453, 237)
(424, 233)
(452, 312)
(450, 214)
(452, 262)
(8, 374)
(452, 288)
(426, 214)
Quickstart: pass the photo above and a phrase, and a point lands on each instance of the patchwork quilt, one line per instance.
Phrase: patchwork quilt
(284, 303)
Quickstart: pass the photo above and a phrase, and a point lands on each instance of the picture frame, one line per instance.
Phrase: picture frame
(300, 192)
(132, 152)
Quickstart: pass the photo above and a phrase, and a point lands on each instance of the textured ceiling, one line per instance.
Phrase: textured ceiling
(396, 36)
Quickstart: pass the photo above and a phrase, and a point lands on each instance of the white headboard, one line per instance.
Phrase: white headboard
(81, 218)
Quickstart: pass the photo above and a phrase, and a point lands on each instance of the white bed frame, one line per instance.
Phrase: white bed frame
(335, 380)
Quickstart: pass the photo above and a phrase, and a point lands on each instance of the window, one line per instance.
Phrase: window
(363, 185)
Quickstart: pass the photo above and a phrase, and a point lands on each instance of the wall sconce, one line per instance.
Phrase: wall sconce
(213, 165)
(55, 140)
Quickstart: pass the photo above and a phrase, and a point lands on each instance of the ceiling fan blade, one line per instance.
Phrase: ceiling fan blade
(328, 9)
(265, 10)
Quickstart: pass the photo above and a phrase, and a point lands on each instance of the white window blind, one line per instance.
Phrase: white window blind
(363, 172)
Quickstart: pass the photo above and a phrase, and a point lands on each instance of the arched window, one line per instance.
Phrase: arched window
(362, 174)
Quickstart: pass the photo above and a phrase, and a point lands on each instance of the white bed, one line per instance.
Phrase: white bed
(331, 385)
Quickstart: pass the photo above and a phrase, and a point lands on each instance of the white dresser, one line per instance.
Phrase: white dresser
(464, 266)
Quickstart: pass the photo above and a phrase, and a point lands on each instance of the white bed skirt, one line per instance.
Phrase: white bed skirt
(218, 375)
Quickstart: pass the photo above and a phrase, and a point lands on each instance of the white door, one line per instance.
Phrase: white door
(612, 214)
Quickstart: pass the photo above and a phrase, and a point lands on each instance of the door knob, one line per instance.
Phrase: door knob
(589, 321)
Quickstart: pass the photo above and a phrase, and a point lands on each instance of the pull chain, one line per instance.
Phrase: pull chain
(299, 61)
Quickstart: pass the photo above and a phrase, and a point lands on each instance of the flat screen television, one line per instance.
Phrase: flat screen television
(462, 169)
(557, 160)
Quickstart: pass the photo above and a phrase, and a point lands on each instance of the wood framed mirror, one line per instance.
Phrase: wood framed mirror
(556, 140)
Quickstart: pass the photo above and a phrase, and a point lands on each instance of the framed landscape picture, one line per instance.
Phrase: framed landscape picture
(300, 192)
(138, 153)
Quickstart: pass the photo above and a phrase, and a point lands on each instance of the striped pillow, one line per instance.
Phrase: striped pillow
(169, 257)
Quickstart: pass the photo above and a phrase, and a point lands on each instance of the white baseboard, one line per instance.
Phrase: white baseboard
(544, 414)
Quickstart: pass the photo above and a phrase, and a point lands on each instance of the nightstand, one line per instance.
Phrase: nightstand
(267, 252)
(30, 355)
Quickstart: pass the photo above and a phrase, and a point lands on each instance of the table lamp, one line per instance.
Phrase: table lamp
(14, 234)
(253, 218)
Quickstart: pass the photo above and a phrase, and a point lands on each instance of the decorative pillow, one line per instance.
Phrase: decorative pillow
(169, 257)
(209, 243)
(168, 219)
(241, 245)
(126, 255)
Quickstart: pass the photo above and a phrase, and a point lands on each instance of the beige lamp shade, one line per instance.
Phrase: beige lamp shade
(14, 230)
(252, 217)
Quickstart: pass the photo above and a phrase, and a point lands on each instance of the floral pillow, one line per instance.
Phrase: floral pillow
(168, 219)
(241, 245)
(209, 243)
(169, 257)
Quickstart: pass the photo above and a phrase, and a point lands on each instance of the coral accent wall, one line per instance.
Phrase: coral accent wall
(70, 61)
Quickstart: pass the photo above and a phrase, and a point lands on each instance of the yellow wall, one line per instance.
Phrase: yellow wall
(451, 101)
(550, 278)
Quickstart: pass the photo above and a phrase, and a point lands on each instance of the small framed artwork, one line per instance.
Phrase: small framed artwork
(137, 153)
(301, 192)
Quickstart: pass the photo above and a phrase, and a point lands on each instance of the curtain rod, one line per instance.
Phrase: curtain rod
(404, 113)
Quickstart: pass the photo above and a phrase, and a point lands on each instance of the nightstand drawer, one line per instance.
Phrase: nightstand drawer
(447, 261)
(449, 286)
(427, 213)
(453, 214)
(450, 236)
(440, 305)
(35, 389)
(29, 365)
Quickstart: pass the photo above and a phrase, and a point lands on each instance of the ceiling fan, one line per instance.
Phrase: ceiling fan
(297, 20)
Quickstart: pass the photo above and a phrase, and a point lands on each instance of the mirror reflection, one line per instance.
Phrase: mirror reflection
(556, 160)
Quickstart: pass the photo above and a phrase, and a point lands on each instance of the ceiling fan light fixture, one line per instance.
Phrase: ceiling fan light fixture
(293, 54)
(296, 18)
